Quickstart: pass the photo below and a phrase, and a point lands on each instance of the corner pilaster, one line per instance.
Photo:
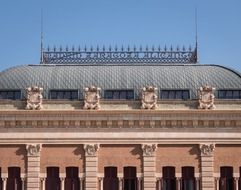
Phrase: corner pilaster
(91, 166)
(33, 166)
(149, 166)
(207, 166)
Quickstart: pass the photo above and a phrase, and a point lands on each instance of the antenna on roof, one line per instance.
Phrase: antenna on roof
(41, 56)
(196, 37)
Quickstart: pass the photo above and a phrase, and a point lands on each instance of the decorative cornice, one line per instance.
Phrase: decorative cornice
(91, 149)
(149, 149)
(33, 149)
(207, 149)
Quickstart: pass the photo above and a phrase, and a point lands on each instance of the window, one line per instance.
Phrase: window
(53, 180)
(229, 94)
(14, 179)
(1, 182)
(110, 179)
(226, 178)
(130, 182)
(119, 94)
(64, 94)
(10, 94)
(239, 184)
(169, 180)
(72, 181)
(175, 94)
(188, 179)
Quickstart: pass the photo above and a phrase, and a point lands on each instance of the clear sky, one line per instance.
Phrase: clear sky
(127, 22)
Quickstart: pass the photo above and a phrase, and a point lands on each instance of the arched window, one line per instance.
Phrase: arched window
(130, 181)
(110, 179)
(14, 179)
(226, 178)
(53, 180)
(188, 178)
(169, 179)
(72, 181)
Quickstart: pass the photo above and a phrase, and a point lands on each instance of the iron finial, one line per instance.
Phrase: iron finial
(110, 48)
(116, 48)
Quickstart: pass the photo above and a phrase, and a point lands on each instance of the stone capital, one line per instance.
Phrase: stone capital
(91, 149)
(149, 149)
(33, 149)
(207, 149)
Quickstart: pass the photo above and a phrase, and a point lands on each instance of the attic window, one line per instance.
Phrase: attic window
(10, 94)
(119, 94)
(64, 94)
(175, 94)
(229, 94)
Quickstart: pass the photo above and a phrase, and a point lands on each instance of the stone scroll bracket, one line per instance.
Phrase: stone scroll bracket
(149, 149)
(91, 149)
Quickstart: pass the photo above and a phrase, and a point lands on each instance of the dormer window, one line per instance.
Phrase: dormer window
(229, 94)
(64, 94)
(175, 94)
(119, 94)
(10, 94)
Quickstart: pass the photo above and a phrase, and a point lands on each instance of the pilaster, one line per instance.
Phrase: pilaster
(149, 166)
(33, 166)
(91, 166)
(207, 167)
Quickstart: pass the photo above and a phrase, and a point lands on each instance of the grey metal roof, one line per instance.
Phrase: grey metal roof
(120, 77)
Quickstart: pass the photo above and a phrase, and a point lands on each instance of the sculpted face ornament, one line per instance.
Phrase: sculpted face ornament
(206, 97)
(207, 149)
(148, 149)
(34, 98)
(148, 97)
(91, 149)
(92, 98)
(33, 149)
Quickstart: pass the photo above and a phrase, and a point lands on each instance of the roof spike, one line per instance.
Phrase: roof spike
(146, 47)
(159, 48)
(122, 48)
(91, 48)
(54, 48)
(134, 48)
(178, 48)
(128, 48)
(140, 47)
(165, 48)
(67, 48)
(153, 48)
(79, 48)
(190, 48)
(73, 48)
(60, 48)
(97, 48)
(85, 49)
(183, 48)
(48, 48)
(116, 48)
(171, 48)
(103, 48)
(110, 48)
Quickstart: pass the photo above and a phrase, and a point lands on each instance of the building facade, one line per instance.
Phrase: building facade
(120, 120)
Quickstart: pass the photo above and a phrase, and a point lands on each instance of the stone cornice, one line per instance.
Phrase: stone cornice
(122, 119)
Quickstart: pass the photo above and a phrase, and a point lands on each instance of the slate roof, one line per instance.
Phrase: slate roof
(175, 76)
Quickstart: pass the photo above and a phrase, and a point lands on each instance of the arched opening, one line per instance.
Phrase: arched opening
(188, 178)
(130, 180)
(226, 178)
(53, 180)
(72, 181)
(14, 179)
(169, 179)
(110, 179)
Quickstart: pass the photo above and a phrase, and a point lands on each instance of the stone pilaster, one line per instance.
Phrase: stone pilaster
(33, 166)
(91, 166)
(207, 170)
(149, 166)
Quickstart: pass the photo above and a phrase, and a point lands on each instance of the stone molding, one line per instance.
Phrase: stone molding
(33, 149)
(149, 149)
(207, 149)
(206, 97)
(92, 98)
(34, 98)
(91, 149)
(149, 97)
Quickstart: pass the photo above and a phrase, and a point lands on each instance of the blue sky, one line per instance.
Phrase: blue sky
(127, 22)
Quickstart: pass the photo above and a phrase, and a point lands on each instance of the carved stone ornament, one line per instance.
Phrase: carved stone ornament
(148, 97)
(91, 149)
(92, 98)
(207, 149)
(206, 97)
(33, 149)
(34, 98)
(148, 149)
